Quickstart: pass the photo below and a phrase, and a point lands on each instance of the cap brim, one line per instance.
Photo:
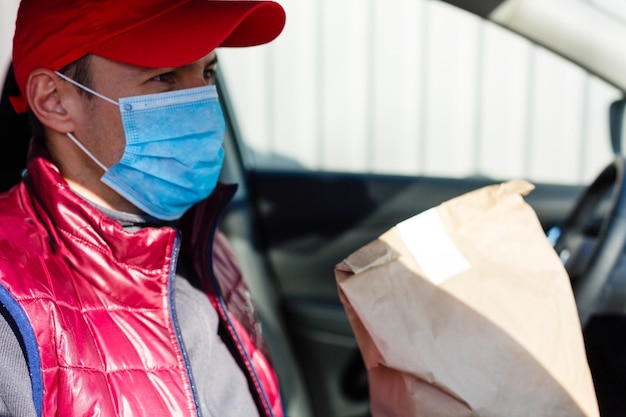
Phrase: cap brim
(192, 30)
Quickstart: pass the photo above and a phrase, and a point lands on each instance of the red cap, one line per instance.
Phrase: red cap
(149, 33)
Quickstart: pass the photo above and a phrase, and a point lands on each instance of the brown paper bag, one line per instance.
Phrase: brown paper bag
(466, 310)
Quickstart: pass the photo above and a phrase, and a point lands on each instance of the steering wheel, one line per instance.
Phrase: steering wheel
(590, 263)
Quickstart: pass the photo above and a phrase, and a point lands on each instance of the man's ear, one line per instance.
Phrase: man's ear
(50, 98)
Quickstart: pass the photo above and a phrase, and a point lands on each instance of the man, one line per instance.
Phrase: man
(118, 295)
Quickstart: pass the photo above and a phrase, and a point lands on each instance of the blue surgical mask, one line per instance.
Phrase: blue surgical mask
(173, 154)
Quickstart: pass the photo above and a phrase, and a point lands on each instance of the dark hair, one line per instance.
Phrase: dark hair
(80, 72)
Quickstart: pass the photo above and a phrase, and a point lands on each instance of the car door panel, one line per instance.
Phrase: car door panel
(310, 222)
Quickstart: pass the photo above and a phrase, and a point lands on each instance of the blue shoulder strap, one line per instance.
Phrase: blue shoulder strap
(29, 344)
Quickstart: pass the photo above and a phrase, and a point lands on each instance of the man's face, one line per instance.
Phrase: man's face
(99, 125)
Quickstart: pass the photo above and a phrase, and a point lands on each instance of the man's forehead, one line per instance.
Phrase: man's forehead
(207, 60)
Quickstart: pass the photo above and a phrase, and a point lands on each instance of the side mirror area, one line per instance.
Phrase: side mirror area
(617, 125)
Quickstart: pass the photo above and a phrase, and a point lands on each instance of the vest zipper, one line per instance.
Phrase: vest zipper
(230, 328)
(260, 390)
(179, 337)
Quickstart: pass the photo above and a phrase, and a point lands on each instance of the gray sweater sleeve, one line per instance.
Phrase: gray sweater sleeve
(16, 398)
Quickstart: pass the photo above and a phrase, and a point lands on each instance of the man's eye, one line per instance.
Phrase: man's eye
(210, 74)
(167, 77)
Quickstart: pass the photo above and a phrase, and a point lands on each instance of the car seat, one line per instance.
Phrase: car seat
(15, 135)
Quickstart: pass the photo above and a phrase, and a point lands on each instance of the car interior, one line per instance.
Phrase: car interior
(296, 225)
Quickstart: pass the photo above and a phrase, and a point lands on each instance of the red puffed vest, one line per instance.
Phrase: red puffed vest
(94, 307)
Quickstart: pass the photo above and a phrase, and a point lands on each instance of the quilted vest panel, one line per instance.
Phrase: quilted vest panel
(106, 358)
(98, 303)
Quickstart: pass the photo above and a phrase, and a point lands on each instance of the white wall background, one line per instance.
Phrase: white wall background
(417, 87)
(410, 87)
(8, 11)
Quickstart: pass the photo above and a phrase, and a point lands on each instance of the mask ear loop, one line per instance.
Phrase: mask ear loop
(70, 135)
(87, 89)
(84, 149)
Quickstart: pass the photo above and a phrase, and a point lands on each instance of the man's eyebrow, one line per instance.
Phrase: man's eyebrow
(146, 70)
(149, 70)
(213, 61)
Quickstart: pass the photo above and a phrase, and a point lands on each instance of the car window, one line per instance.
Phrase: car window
(415, 87)
(8, 11)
